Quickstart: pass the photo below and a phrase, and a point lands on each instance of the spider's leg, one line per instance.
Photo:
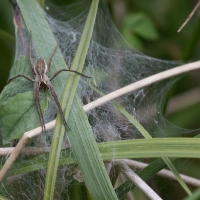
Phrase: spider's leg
(50, 60)
(38, 106)
(30, 53)
(21, 75)
(68, 70)
(53, 93)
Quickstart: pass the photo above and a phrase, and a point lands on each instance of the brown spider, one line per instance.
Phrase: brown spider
(40, 71)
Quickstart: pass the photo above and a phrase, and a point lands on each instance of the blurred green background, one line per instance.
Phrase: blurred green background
(149, 26)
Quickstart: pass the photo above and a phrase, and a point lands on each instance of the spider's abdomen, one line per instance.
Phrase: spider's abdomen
(40, 67)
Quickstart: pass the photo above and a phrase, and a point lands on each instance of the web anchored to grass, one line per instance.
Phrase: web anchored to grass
(123, 103)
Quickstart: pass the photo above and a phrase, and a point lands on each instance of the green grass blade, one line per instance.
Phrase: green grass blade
(177, 175)
(195, 195)
(84, 149)
(142, 130)
(140, 148)
(151, 148)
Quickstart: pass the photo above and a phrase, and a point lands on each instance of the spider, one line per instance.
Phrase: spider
(40, 71)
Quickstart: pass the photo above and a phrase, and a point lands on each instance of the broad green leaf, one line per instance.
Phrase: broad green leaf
(20, 84)
(20, 115)
(17, 108)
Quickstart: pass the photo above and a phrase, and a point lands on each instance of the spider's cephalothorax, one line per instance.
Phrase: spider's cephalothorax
(40, 67)
(40, 71)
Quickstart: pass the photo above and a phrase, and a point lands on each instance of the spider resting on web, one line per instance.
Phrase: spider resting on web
(40, 71)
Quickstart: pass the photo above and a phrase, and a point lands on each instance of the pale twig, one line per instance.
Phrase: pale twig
(13, 156)
(131, 175)
(164, 173)
(189, 17)
(113, 95)
(26, 151)
(21, 144)
(143, 83)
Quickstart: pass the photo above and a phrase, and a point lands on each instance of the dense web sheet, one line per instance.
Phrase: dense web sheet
(112, 64)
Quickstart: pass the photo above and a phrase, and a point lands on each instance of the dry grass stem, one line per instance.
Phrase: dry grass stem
(21, 144)
(189, 17)
(131, 175)
(164, 173)
(25, 151)
(143, 83)
(13, 156)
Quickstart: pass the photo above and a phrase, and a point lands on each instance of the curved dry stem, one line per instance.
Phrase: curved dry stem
(113, 95)
(143, 83)
(163, 173)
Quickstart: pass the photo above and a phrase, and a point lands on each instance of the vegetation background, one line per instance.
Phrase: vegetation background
(156, 35)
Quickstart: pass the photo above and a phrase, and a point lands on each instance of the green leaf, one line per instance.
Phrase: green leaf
(141, 25)
(17, 105)
(20, 115)
(18, 85)
(136, 26)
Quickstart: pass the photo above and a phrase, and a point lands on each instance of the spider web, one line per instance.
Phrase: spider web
(112, 64)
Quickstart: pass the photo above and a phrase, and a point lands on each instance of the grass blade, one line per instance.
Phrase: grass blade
(140, 148)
